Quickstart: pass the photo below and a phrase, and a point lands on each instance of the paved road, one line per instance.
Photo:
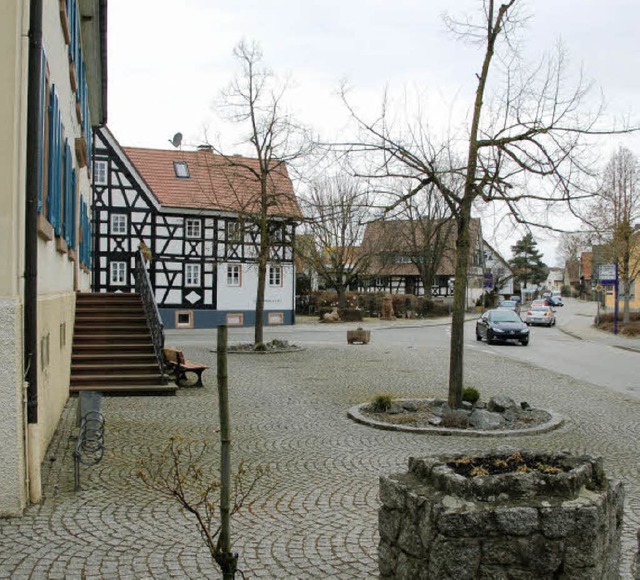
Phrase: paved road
(314, 514)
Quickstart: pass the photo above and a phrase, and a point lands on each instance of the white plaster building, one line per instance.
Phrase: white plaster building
(53, 87)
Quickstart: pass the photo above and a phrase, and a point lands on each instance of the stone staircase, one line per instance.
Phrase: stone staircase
(112, 347)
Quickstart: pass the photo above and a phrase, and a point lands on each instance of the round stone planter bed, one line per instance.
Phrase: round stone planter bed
(500, 417)
(273, 347)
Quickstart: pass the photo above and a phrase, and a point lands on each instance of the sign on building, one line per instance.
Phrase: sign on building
(607, 273)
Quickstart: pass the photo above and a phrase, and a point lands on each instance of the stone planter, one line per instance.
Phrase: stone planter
(358, 336)
(436, 523)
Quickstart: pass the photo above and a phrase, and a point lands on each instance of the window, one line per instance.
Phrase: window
(194, 228)
(277, 236)
(235, 319)
(234, 275)
(181, 168)
(275, 318)
(118, 224)
(192, 275)
(234, 231)
(118, 273)
(184, 319)
(100, 173)
(275, 275)
(45, 354)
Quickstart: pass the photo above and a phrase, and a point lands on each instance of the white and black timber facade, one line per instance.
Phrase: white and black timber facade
(191, 211)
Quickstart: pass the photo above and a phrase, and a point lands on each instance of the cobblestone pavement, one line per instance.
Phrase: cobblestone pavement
(315, 514)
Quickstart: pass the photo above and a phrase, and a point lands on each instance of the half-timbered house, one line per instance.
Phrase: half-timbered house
(396, 248)
(195, 214)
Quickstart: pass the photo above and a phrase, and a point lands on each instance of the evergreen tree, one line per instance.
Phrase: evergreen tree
(527, 263)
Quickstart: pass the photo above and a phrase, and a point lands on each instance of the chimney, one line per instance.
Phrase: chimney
(208, 148)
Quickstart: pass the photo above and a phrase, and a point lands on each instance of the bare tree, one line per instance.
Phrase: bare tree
(182, 472)
(525, 143)
(572, 244)
(423, 235)
(615, 215)
(337, 211)
(255, 100)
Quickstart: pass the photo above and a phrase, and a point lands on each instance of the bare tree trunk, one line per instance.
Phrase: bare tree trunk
(456, 355)
(342, 296)
(262, 275)
(227, 560)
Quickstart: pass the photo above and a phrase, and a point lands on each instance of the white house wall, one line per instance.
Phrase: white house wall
(13, 76)
(59, 274)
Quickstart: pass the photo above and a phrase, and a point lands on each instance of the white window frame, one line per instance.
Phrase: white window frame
(118, 273)
(119, 224)
(188, 314)
(275, 275)
(234, 275)
(193, 228)
(100, 175)
(181, 169)
(192, 275)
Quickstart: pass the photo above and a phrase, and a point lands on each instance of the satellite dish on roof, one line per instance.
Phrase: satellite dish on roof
(177, 140)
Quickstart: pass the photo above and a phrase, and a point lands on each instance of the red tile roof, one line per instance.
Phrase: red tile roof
(215, 182)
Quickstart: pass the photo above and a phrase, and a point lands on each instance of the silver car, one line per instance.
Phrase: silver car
(540, 315)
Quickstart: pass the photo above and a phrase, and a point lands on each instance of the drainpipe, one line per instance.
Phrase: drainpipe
(34, 151)
(34, 172)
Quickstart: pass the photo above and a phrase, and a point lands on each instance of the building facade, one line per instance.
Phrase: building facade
(195, 214)
(395, 248)
(53, 79)
(498, 267)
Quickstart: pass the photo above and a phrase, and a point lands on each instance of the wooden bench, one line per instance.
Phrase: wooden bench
(180, 366)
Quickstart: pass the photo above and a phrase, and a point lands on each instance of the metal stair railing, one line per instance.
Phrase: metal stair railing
(144, 289)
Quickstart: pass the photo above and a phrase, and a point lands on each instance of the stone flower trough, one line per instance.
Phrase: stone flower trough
(560, 519)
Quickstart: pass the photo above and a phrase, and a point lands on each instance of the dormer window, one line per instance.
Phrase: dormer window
(181, 168)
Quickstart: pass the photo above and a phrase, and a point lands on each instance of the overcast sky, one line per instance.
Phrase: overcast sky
(168, 60)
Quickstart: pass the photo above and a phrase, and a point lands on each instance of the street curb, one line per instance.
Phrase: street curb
(569, 333)
(620, 346)
(553, 423)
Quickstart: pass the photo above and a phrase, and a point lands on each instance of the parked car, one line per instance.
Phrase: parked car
(509, 305)
(516, 298)
(501, 325)
(546, 294)
(540, 314)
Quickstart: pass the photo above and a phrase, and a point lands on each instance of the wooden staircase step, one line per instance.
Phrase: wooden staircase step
(117, 378)
(113, 349)
(103, 316)
(125, 357)
(116, 366)
(116, 327)
(125, 337)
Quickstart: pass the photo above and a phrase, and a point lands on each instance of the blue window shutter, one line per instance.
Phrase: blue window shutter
(72, 212)
(69, 191)
(53, 154)
(43, 109)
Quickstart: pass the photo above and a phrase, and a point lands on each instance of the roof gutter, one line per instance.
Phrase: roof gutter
(34, 151)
